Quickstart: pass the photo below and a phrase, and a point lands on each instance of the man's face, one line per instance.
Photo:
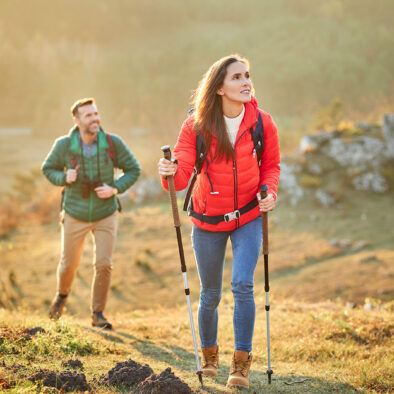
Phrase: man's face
(88, 119)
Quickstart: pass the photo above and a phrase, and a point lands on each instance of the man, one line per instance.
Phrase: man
(83, 163)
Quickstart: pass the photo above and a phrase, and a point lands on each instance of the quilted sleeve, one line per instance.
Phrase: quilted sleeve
(270, 164)
(185, 152)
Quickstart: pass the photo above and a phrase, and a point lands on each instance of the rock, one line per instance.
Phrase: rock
(368, 306)
(146, 189)
(325, 199)
(314, 168)
(288, 182)
(365, 126)
(358, 245)
(388, 134)
(334, 242)
(370, 181)
(362, 152)
(313, 142)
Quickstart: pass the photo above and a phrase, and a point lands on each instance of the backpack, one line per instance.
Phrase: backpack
(201, 148)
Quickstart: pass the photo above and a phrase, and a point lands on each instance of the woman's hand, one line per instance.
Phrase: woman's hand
(267, 204)
(167, 167)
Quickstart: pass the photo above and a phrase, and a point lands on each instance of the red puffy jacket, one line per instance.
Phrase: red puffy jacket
(230, 185)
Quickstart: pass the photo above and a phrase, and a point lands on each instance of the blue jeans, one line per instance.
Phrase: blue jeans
(209, 250)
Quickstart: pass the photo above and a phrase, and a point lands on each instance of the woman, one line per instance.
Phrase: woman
(225, 112)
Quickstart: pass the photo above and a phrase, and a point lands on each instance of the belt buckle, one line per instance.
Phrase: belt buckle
(228, 217)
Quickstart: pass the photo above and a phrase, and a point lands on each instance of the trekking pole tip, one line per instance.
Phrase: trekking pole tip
(199, 373)
(269, 373)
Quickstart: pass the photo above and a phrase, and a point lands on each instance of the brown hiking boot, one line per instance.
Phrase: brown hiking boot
(57, 306)
(210, 363)
(98, 320)
(239, 372)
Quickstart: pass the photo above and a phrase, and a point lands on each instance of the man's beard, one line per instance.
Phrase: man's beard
(91, 132)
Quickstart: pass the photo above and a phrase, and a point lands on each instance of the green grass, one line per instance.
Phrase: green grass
(327, 346)
(315, 336)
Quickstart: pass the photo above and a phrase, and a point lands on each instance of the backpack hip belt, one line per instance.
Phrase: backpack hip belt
(227, 217)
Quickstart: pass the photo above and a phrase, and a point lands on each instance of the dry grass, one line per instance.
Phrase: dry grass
(327, 346)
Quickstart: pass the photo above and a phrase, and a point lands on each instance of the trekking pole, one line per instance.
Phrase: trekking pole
(177, 223)
(264, 189)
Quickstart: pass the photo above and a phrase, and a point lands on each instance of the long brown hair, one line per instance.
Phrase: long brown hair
(208, 111)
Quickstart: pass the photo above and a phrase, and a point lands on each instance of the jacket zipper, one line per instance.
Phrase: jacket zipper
(236, 179)
(235, 189)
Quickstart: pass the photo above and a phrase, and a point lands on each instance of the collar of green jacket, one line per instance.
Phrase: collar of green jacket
(75, 146)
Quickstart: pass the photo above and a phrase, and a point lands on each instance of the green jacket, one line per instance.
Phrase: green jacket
(66, 153)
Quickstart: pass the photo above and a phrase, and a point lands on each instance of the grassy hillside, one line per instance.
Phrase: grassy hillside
(303, 263)
(316, 348)
(331, 306)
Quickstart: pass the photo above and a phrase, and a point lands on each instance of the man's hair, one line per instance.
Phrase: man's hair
(80, 103)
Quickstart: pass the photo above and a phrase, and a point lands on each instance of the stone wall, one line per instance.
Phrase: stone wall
(329, 162)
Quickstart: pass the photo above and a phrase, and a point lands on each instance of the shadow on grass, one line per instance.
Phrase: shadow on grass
(106, 334)
(178, 357)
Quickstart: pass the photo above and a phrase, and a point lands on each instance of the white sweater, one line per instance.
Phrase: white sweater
(233, 124)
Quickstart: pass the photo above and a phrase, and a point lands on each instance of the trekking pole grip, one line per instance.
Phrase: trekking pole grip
(170, 178)
(263, 189)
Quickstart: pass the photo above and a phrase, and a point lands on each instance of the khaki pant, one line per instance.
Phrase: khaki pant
(74, 233)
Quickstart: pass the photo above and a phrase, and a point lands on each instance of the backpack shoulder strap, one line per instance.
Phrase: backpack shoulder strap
(201, 152)
(258, 139)
(111, 150)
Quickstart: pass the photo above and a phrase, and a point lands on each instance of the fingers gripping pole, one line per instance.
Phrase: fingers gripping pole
(264, 189)
(177, 223)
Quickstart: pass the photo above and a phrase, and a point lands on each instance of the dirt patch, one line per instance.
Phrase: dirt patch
(20, 334)
(65, 380)
(73, 364)
(35, 330)
(4, 384)
(127, 373)
(165, 383)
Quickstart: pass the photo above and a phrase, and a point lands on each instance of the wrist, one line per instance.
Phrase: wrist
(115, 191)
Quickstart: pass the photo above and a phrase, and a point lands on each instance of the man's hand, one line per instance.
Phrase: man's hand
(105, 191)
(72, 175)
(268, 204)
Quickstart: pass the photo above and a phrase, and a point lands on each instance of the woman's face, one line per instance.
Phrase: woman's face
(237, 86)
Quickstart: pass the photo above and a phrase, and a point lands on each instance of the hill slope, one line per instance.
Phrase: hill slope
(316, 348)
